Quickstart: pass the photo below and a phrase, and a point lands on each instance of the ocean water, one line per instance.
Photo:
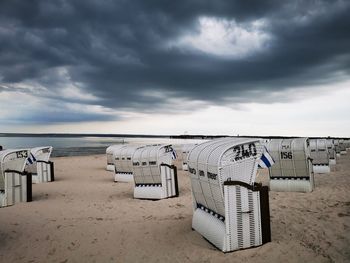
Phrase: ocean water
(78, 146)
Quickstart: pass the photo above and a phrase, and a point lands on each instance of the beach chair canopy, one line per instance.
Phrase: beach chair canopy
(212, 163)
(109, 153)
(185, 150)
(38, 154)
(42, 153)
(292, 158)
(147, 160)
(12, 159)
(123, 157)
(319, 152)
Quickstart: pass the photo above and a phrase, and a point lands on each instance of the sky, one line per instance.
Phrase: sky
(175, 67)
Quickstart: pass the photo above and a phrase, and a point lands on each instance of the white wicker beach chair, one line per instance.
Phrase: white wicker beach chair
(39, 164)
(154, 174)
(347, 144)
(15, 183)
(110, 158)
(331, 152)
(292, 171)
(337, 147)
(230, 210)
(123, 163)
(320, 156)
(186, 148)
(342, 146)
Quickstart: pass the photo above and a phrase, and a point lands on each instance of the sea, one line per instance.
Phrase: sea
(80, 146)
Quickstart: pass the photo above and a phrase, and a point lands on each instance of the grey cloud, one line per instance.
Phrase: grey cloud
(116, 49)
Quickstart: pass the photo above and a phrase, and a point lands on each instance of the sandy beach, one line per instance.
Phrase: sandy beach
(85, 217)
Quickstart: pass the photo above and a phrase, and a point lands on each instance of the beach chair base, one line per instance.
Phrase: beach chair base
(167, 188)
(332, 161)
(110, 167)
(211, 228)
(45, 172)
(18, 188)
(149, 192)
(123, 177)
(246, 223)
(321, 169)
(291, 185)
(343, 152)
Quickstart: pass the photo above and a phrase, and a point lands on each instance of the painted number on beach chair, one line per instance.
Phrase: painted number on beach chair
(244, 151)
(22, 154)
(286, 155)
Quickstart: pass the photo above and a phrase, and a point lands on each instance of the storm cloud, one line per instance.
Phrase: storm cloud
(150, 55)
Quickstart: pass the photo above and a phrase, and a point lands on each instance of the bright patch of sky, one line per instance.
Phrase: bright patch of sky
(222, 37)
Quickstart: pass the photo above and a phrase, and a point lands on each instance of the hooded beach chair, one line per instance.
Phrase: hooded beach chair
(342, 146)
(39, 164)
(229, 209)
(123, 163)
(337, 147)
(320, 156)
(292, 171)
(331, 152)
(155, 176)
(110, 158)
(347, 144)
(15, 183)
(186, 148)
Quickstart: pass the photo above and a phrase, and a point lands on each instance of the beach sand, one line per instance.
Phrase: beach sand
(85, 217)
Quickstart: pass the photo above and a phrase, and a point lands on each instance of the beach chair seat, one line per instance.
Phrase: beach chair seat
(292, 171)
(229, 209)
(154, 174)
(15, 183)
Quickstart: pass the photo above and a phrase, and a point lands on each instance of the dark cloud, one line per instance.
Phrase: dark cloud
(118, 50)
